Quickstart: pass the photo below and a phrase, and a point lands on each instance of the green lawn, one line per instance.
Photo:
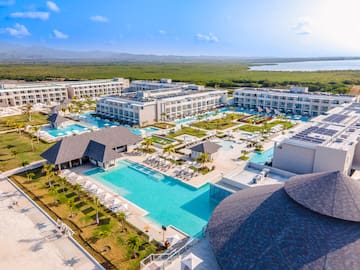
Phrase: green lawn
(21, 144)
(109, 233)
(267, 127)
(36, 119)
(222, 123)
(161, 140)
(161, 125)
(250, 128)
(188, 131)
(224, 74)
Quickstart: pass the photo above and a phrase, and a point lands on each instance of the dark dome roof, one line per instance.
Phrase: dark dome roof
(264, 228)
(329, 193)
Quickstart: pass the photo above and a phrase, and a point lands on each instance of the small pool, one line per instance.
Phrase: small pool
(66, 131)
(97, 122)
(262, 158)
(168, 201)
(291, 117)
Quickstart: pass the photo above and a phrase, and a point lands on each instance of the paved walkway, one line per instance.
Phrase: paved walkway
(31, 166)
(30, 240)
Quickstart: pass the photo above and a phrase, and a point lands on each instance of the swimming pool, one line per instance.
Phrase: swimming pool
(168, 201)
(202, 116)
(66, 131)
(262, 158)
(291, 117)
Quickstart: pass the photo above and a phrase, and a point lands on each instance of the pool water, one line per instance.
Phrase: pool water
(262, 158)
(66, 131)
(291, 117)
(168, 201)
(203, 116)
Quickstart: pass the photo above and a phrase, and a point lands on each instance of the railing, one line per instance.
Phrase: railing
(166, 258)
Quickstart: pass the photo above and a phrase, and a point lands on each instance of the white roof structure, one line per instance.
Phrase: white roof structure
(190, 262)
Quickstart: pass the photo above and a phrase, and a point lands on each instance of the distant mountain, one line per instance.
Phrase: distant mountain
(14, 53)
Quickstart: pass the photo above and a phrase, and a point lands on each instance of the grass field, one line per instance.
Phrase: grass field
(109, 235)
(36, 119)
(16, 149)
(189, 131)
(212, 74)
(220, 124)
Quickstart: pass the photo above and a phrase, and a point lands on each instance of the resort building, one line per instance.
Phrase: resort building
(328, 142)
(208, 148)
(143, 85)
(101, 148)
(97, 88)
(295, 225)
(147, 107)
(296, 100)
(55, 92)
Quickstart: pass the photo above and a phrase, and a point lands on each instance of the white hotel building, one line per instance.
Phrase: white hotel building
(327, 143)
(297, 100)
(146, 107)
(54, 92)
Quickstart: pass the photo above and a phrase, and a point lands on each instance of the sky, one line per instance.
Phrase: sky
(256, 28)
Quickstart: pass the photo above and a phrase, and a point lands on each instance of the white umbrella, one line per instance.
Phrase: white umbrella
(190, 262)
(106, 196)
(98, 191)
(115, 201)
(79, 179)
(87, 184)
(92, 187)
(72, 174)
(173, 239)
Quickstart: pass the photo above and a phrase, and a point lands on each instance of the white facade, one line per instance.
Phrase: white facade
(143, 85)
(296, 100)
(146, 107)
(328, 142)
(32, 93)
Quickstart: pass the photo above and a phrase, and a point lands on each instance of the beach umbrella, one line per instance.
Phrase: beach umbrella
(93, 187)
(115, 201)
(98, 191)
(106, 196)
(190, 262)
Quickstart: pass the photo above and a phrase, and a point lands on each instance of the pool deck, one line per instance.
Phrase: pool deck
(137, 215)
(30, 240)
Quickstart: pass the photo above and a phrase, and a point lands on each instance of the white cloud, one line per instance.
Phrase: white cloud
(52, 6)
(31, 15)
(303, 26)
(207, 37)
(7, 3)
(99, 18)
(60, 35)
(162, 32)
(18, 30)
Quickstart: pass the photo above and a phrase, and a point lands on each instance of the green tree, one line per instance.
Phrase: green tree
(48, 169)
(170, 148)
(204, 157)
(62, 181)
(148, 142)
(78, 188)
(27, 111)
(53, 192)
(134, 244)
(71, 205)
(122, 217)
(30, 176)
(97, 206)
(19, 126)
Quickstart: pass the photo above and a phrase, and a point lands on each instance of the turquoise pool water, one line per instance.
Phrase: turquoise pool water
(291, 117)
(168, 201)
(262, 158)
(203, 116)
(66, 131)
(101, 123)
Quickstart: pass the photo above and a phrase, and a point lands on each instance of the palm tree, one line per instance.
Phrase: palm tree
(204, 157)
(147, 142)
(63, 109)
(19, 126)
(10, 123)
(48, 170)
(134, 244)
(78, 188)
(71, 205)
(62, 181)
(30, 176)
(53, 192)
(96, 203)
(169, 149)
(27, 111)
(37, 132)
(122, 217)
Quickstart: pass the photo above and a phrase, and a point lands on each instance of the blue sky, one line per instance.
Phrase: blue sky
(187, 27)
